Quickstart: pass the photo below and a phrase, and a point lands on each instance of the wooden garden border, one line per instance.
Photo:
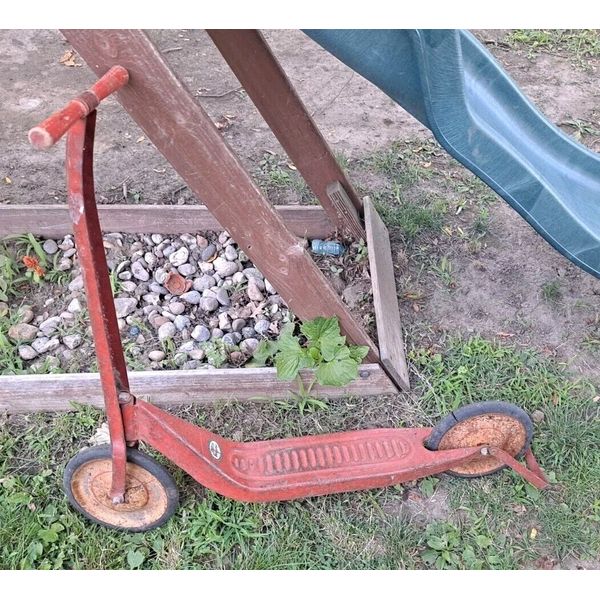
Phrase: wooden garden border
(31, 393)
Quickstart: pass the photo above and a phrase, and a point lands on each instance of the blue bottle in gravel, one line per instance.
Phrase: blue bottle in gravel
(327, 248)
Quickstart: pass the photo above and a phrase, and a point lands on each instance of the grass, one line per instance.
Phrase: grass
(582, 44)
(487, 523)
(551, 291)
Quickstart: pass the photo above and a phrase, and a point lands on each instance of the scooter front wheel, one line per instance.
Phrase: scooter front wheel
(499, 424)
(150, 493)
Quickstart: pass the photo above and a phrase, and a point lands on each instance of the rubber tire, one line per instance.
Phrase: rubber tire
(474, 410)
(137, 458)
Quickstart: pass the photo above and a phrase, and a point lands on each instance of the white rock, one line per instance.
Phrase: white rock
(179, 257)
(125, 306)
(139, 272)
(43, 344)
(50, 247)
(156, 355)
(224, 267)
(72, 341)
(74, 306)
(27, 352)
(166, 331)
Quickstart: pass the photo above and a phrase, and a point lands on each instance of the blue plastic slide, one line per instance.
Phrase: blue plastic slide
(449, 82)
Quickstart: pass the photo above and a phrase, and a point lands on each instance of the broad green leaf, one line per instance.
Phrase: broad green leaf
(358, 352)
(330, 345)
(264, 351)
(436, 543)
(290, 361)
(134, 559)
(337, 372)
(320, 327)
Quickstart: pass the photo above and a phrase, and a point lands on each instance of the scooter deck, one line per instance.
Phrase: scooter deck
(285, 469)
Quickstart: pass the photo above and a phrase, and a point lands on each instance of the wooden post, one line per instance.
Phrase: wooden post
(257, 69)
(189, 140)
(385, 299)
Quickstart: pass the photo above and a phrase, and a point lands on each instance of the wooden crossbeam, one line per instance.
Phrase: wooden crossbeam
(53, 220)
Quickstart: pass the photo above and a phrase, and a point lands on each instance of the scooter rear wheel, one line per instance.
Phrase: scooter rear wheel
(150, 494)
(499, 424)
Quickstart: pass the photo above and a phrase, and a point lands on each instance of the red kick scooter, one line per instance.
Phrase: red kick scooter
(118, 486)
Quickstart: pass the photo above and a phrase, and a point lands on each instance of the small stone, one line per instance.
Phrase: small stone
(197, 354)
(248, 346)
(166, 331)
(177, 308)
(182, 322)
(238, 325)
(69, 253)
(192, 297)
(204, 283)
(186, 270)
(76, 284)
(156, 355)
(238, 278)
(129, 286)
(157, 238)
(25, 314)
(209, 294)
(22, 332)
(50, 247)
(261, 327)
(269, 288)
(216, 334)
(125, 276)
(208, 304)
(190, 365)
(224, 267)
(151, 259)
(72, 341)
(231, 253)
(229, 340)
(187, 239)
(236, 357)
(248, 332)
(158, 321)
(201, 242)
(186, 347)
(121, 324)
(207, 268)
(156, 288)
(74, 306)
(139, 272)
(64, 264)
(223, 237)
(49, 326)
(151, 298)
(66, 244)
(201, 333)
(168, 250)
(253, 292)
(253, 272)
(43, 344)
(224, 321)
(160, 275)
(27, 352)
(538, 416)
(179, 257)
(223, 297)
(3, 309)
(125, 306)
(208, 253)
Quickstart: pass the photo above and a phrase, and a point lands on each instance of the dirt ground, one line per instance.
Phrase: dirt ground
(498, 291)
